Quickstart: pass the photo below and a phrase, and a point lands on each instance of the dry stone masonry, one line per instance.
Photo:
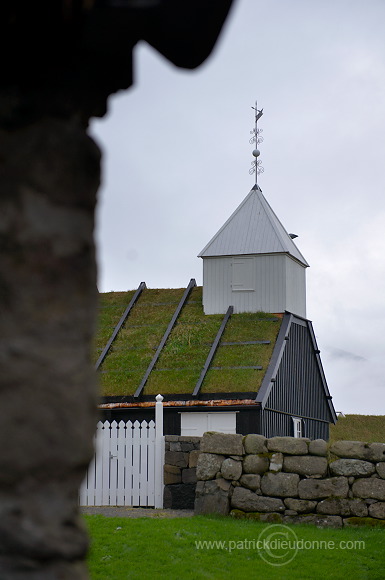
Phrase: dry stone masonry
(290, 480)
(181, 457)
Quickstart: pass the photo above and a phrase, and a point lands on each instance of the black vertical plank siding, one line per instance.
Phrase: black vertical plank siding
(298, 389)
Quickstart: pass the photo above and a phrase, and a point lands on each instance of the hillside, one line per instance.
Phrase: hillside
(368, 428)
(239, 364)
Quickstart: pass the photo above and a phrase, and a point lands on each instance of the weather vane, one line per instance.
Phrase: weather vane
(256, 165)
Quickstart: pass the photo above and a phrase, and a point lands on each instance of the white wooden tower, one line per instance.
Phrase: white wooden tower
(252, 262)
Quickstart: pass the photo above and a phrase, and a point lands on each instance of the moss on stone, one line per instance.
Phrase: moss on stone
(367, 521)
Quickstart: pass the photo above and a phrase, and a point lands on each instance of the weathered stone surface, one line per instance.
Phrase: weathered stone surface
(189, 475)
(318, 447)
(255, 464)
(208, 465)
(172, 474)
(193, 458)
(187, 446)
(343, 507)
(369, 488)
(377, 510)
(48, 181)
(380, 468)
(181, 496)
(255, 444)
(176, 458)
(377, 451)
(248, 501)
(251, 481)
(315, 519)
(322, 488)
(231, 469)
(175, 446)
(290, 445)
(302, 506)
(352, 467)
(276, 462)
(222, 443)
(212, 497)
(187, 439)
(359, 450)
(305, 465)
(280, 484)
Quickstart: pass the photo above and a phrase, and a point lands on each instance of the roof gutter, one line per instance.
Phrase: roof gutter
(194, 403)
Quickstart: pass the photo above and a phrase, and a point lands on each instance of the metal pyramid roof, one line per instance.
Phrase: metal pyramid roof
(252, 229)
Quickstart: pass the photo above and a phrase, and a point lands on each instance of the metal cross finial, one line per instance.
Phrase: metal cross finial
(256, 165)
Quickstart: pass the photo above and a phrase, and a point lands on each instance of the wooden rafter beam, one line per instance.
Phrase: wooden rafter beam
(117, 328)
(171, 325)
(212, 352)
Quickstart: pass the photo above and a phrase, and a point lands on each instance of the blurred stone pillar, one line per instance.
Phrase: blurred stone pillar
(61, 59)
(49, 176)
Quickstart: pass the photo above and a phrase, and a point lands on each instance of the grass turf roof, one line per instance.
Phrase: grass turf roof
(368, 428)
(184, 355)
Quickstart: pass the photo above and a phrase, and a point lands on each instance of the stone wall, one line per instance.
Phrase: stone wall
(289, 480)
(181, 457)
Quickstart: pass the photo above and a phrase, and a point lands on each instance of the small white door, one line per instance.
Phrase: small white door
(196, 424)
(243, 274)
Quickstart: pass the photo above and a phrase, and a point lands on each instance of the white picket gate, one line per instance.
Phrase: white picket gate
(127, 469)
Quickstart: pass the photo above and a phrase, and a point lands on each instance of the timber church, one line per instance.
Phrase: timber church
(237, 355)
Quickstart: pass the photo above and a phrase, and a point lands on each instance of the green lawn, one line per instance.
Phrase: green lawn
(368, 428)
(151, 548)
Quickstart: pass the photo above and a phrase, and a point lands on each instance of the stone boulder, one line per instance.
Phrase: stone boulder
(255, 464)
(280, 484)
(318, 447)
(322, 488)
(231, 469)
(369, 488)
(289, 445)
(255, 444)
(208, 465)
(179, 496)
(377, 510)
(352, 467)
(302, 506)
(222, 443)
(251, 481)
(248, 501)
(305, 465)
(380, 468)
(176, 458)
(189, 475)
(212, 497)
(172, 474)
(343, 507)
(276, 462)
(359, 450)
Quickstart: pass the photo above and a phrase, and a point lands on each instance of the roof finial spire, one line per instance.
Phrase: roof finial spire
(256, 165)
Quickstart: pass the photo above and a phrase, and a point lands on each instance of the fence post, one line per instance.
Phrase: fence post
(159, 452)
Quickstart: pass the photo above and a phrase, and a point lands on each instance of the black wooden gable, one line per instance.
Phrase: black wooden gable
(294, 384)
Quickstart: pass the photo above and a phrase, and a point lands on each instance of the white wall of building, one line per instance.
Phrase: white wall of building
(264, 282)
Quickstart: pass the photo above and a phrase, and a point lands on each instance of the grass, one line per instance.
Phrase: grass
(148, 548)
(184, 355)
(368, 428)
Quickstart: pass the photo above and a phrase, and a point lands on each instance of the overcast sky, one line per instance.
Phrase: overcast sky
(176, 159)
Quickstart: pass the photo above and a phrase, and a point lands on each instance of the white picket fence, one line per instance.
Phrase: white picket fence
(127, 469)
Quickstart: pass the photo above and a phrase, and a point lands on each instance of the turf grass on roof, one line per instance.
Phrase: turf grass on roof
(183, 357)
